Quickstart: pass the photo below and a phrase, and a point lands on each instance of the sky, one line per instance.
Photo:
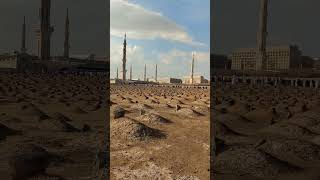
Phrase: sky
(87, 25)
(162, 32)
(235, 24)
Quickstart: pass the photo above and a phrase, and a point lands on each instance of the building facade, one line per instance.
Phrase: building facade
(196, 80)
(280, 58)
(170, 81)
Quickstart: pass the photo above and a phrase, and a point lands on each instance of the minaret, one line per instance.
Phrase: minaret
(192, 68)
(23, 42)
(37, 30)
(145, 73)
(45, 30)
(131, 72)
(124, 59)
(262, 36)
(117, 74)
(66, 37)
(156, 76)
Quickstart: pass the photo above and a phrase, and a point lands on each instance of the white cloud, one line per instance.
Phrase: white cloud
(177, 63)
(176, 56)
(173, 63)
(134, 53)
(141, 23)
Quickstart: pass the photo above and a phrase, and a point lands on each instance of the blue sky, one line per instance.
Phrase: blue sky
(162, 32)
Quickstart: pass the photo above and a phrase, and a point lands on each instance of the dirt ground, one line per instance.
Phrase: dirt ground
(151, 139)
(266, 132)
(51, 126)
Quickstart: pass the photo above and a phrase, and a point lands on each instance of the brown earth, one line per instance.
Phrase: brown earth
(266, 132)
(61, 116)
(150, 139)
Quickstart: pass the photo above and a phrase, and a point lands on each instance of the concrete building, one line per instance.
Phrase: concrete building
(170, 80)
(280, 58)
(27, 63)
(197, 79)
(152, 80)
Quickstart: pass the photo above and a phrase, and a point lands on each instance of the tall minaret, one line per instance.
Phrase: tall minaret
(192, 68)
(124, 59)
(117, 74)
(37, 30)
(131, 72)
(45, 29)
(156, 76)
(66, 37)
(145, 73)
(23, 42)
(262, 36)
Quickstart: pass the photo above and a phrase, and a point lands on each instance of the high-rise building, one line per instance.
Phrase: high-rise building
(280, 58)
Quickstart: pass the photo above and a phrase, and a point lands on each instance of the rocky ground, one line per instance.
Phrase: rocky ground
(51, 126)
(266, 132)
(159, 133)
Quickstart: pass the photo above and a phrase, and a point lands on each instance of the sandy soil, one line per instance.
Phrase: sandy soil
(51, 126)
(266, 132)
(151, 139)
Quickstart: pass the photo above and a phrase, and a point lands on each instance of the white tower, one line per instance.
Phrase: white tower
(192, 68)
